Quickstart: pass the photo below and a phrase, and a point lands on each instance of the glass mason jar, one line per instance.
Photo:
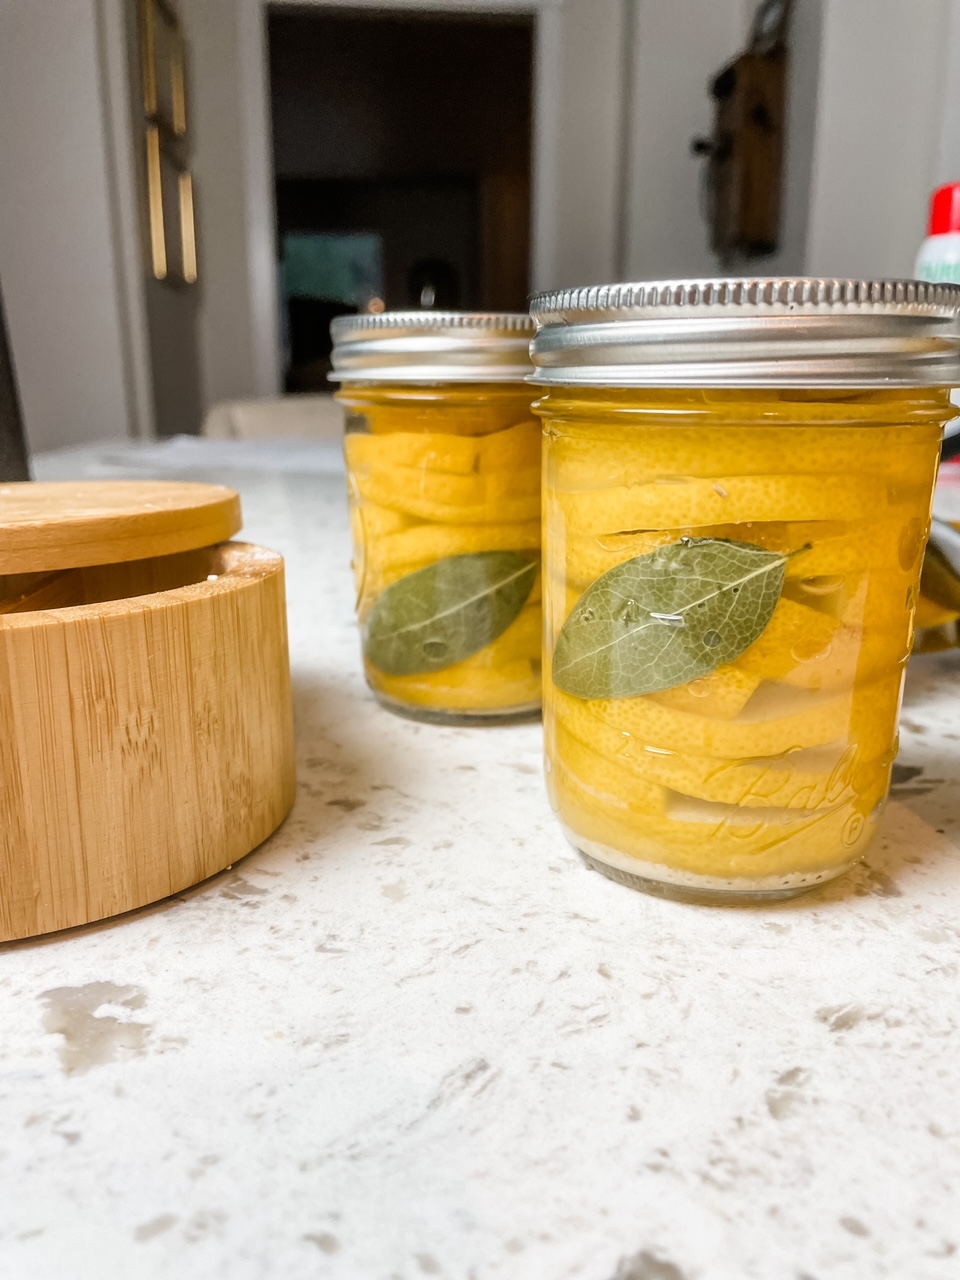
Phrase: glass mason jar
(443, 467)
(738, 479)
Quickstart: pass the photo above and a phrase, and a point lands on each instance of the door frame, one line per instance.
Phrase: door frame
(547, 44)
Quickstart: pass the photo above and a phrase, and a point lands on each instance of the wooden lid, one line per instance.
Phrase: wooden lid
(70, 524)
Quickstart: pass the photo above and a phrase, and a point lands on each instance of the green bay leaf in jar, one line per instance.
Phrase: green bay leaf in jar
(668, 617)
(445, 613)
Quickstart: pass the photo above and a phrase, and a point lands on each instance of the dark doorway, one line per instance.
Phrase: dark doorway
(401, 147)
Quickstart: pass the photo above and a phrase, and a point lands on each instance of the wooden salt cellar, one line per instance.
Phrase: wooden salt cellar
(146, 733)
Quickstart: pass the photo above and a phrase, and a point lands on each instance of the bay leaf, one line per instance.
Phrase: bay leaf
(448, 611)
(668, 617)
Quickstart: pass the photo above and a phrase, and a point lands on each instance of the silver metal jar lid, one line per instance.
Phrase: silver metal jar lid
(432, 346)
(749, 333)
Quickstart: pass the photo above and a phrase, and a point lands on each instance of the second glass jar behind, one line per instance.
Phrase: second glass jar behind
(444, 488)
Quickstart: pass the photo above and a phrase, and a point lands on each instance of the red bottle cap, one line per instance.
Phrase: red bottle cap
(945, 210)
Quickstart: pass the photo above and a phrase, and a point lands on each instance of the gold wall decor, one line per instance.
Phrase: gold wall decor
(170, 212)
(158, 241)
(163, 58)
(188, 235)
(173, 243)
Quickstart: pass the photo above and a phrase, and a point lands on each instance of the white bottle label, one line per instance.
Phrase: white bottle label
(940, 272)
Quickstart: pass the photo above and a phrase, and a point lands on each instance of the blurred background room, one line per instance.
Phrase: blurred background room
(190, 192)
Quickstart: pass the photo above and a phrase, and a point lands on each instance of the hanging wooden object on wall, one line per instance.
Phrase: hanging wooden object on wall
(744, 174)
(169, 182)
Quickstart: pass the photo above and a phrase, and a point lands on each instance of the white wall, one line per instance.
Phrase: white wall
(239, 342)
(948, 142)
(124, 138)
(578, 132)
(58, 256)
(803, 98)
(881, 117)
(678, 46)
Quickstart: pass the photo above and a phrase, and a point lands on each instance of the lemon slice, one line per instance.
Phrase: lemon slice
(518, 483)
(605, 780)
(475, 412)
(517, 448)
(668, 504)
(716, 842)
(444, 499)
(595, 460)
(799, 720)
(878, 544)
(425, 543)
(795, 637)
(505, 674)
(517, 685)
(721, 695)
(853, 656)
(377, 522)
(833, 550)
(810, 779)
(455, 455)
(399, 487)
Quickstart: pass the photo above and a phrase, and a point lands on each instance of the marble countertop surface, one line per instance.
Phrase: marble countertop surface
(411, 1036)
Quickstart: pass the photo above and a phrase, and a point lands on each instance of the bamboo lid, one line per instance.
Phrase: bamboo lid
(71, 524)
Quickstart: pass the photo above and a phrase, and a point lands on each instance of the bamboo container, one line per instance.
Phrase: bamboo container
(146, 736)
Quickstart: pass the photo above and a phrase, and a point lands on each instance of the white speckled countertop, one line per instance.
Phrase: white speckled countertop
(411, 1036)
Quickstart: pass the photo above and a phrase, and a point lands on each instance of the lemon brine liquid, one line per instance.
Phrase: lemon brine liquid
(444, 485)
(730, 585)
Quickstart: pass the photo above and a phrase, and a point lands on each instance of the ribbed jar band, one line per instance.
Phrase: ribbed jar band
(750, 333)
(432, 346)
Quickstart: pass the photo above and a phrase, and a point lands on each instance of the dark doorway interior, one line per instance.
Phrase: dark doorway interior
(402, 159)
